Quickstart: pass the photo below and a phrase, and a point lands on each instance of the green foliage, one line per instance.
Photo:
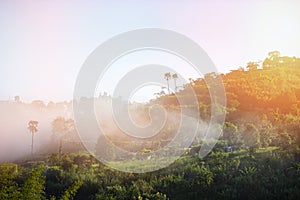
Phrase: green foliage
(104, 149)
(67, 163)
(230, 132)
(263, 111)
(8, 187)
(70, 193)
(269, 173)
(283, 140)
(251, 137)
(33, 187)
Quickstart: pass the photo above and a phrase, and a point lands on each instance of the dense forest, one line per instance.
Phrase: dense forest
(256, 157)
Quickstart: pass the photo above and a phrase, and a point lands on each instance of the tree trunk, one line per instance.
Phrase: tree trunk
(32, 135)
(175, 85)
(60, 148)
(168, 87)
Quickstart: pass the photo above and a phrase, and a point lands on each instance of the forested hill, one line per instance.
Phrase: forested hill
(256, 157)
(275, 83)
(275, 86)
(260, 95)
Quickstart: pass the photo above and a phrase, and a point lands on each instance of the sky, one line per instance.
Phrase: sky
(43, 44)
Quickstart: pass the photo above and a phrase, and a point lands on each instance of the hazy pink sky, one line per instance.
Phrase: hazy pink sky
(44, 43)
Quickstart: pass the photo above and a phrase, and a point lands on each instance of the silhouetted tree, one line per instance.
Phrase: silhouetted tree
(272, 60)
(33, 128)
(273, 55)
(175, 77)
(251, 137)
(252, 66)
(230, 131)
(168, 77)
(64, 129)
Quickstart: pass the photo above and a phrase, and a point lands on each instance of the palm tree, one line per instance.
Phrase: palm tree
(252, 66)
(175, 77)
(33, 128)
(168, 77)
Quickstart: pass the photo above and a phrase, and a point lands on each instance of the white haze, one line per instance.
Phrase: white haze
(15, 139)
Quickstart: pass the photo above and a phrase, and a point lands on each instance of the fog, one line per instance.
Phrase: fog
(15, 139)
(153, 125)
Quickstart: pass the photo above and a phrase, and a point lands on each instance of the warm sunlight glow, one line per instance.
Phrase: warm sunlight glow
(157, 100)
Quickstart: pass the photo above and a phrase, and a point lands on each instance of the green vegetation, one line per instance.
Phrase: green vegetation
(256, 157)
(269, 173)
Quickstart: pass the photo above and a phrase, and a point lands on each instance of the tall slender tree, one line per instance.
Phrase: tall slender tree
(168, 77)
(175, 77)
(33, 128)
